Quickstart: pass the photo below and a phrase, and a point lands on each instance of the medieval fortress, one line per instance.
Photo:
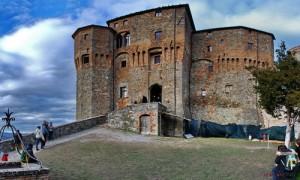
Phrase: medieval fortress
(151, 70)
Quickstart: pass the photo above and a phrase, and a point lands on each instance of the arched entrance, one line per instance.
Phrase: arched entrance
(145, 124)
(155, 93)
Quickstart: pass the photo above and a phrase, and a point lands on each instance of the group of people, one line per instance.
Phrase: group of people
(43, 134)
(287, 163)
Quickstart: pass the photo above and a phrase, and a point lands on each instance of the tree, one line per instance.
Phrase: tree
(279, 89)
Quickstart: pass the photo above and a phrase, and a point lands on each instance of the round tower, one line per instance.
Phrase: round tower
(93, 54)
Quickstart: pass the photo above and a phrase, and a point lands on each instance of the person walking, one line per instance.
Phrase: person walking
(39, 138)
(50, 131)
(45, 133)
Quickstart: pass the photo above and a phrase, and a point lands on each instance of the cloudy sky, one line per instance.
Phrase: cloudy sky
(37, 75)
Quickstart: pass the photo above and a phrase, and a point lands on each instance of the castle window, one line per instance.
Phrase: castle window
(123, 64)
(158, 13)
(228, 88)
(119, 41)
(209, 48)
(116, 25)
(157, 35)
(250, 45)
(85, 36)
(210, 68)
(127, 39)
(157, 59)
(222, 41)
(123, 92)
(209, 35)
(125, 22)
(85, 59)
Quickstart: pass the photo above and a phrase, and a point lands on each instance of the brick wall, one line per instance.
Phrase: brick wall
(219, 62)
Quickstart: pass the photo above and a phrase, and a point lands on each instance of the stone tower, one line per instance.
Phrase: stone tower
(221, 85)
(93, 60)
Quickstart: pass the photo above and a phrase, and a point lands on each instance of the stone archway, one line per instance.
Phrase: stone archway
(155, 93)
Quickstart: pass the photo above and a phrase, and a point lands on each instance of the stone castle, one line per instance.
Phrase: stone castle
(155, 63)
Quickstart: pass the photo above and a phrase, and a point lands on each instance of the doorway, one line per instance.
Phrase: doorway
(155, 93)
(145, 124)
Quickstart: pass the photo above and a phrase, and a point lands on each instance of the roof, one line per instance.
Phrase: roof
(235, 27)
(186, 6)
(90, 26)
(296, 49)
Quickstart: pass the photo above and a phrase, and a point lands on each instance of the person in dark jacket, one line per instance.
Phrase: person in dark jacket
(28, 157)
(279, 171)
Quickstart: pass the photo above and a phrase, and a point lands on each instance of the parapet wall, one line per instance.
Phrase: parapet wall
(141, 118)
(60, 131)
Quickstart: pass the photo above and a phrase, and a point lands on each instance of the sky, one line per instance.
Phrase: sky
(37, 71)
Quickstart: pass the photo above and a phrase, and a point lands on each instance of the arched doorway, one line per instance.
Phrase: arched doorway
(155, 93)
(145, 124)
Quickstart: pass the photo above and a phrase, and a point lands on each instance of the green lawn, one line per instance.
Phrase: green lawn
(162, 158)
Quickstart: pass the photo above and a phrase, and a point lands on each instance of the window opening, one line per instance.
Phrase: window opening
(123, 64)
(85, 59)
(158, 13)
(123, 92)
(157, 35)
(157, 59)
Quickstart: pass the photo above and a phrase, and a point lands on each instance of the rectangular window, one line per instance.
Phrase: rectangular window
(85, 36)
(116, 25)
(209, 48)
(158, 12)
(123, 92)
(157, 35)
(85, 59)
(228, 88)
(210, 68)
(157, 59)
(250, 45)
(123, 64)
(125, 22)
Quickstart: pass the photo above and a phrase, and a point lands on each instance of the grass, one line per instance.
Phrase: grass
(164, 158)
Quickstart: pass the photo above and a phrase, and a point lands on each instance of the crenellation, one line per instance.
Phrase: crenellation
(157, 55)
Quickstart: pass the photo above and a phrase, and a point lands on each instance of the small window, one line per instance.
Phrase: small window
(250, 45)
(209, 48)
(119, 41)
(210, 68)
(222, 41)
(209, 35)
(85, 36)
(157, 59)
(123, 92)
(127, 40)
(85, 59)
(157, 35)
(158, 12)
(228, 88)
(123, 64)
(116, 25)
(125, 22)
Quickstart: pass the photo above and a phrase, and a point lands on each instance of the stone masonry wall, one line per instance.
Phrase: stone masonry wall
(129, 118)
(141, 72)
(221, 86)
(60, 131)
(94, 78)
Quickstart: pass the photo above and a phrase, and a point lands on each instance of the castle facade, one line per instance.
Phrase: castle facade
(157, 55)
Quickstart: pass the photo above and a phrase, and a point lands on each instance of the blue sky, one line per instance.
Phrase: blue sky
(37, 74)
